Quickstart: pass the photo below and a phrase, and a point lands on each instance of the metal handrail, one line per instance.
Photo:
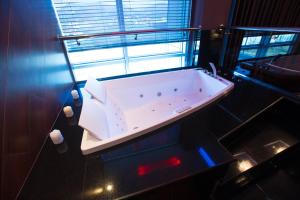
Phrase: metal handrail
(269, 29)
(76, 37)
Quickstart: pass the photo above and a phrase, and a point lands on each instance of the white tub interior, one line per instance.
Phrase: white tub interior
(126, 108)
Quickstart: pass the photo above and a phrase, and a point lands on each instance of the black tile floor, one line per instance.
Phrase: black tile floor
(71, 176)
(279, 179)
(144, 166)
(282, 184)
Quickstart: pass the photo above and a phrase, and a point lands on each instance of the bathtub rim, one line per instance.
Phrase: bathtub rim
(87, 148)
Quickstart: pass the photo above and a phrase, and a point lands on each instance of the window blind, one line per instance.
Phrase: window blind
(78, 17)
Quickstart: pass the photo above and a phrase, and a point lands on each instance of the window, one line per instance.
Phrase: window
(124, 54)
(254, 40)
(276, 50)
(266, 45)
(248, 53)
(282, 38)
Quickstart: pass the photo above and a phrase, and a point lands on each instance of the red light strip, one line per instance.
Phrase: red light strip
(146, 169)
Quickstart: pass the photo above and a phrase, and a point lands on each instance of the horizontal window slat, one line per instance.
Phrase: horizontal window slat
(95, 47)
(85, 17)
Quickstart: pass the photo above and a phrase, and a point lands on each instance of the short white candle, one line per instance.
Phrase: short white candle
(75, 94)
(56, 137)
(68, 111)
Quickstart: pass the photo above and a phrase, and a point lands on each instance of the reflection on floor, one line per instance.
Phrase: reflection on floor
(267, 149)
(281, 184)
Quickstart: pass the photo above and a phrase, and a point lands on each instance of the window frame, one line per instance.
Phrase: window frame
(265, 44)
(126, 58)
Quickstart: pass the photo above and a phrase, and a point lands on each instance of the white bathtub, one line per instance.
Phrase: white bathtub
(126, 108)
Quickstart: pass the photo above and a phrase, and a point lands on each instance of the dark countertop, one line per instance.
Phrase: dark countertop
(169, 154)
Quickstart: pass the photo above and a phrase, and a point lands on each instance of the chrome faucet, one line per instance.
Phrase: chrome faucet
(213, 67)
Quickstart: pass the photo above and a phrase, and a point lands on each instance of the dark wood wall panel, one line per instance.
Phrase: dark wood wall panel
(35, 81)
(267, 13)
(210, 13)
(215, 12)
(3, 47)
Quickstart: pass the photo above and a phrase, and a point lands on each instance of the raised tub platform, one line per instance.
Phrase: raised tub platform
(115, 111)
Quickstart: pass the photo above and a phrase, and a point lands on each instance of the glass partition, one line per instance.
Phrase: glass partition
(131, 58)
(257, 44)
(121, 37)
(271, 58)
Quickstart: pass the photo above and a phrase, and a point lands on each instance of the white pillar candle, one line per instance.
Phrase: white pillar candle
(75, 94)
(68, 111)
(56, 137)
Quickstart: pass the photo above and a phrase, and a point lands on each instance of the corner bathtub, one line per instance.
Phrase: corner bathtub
(115, 111)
